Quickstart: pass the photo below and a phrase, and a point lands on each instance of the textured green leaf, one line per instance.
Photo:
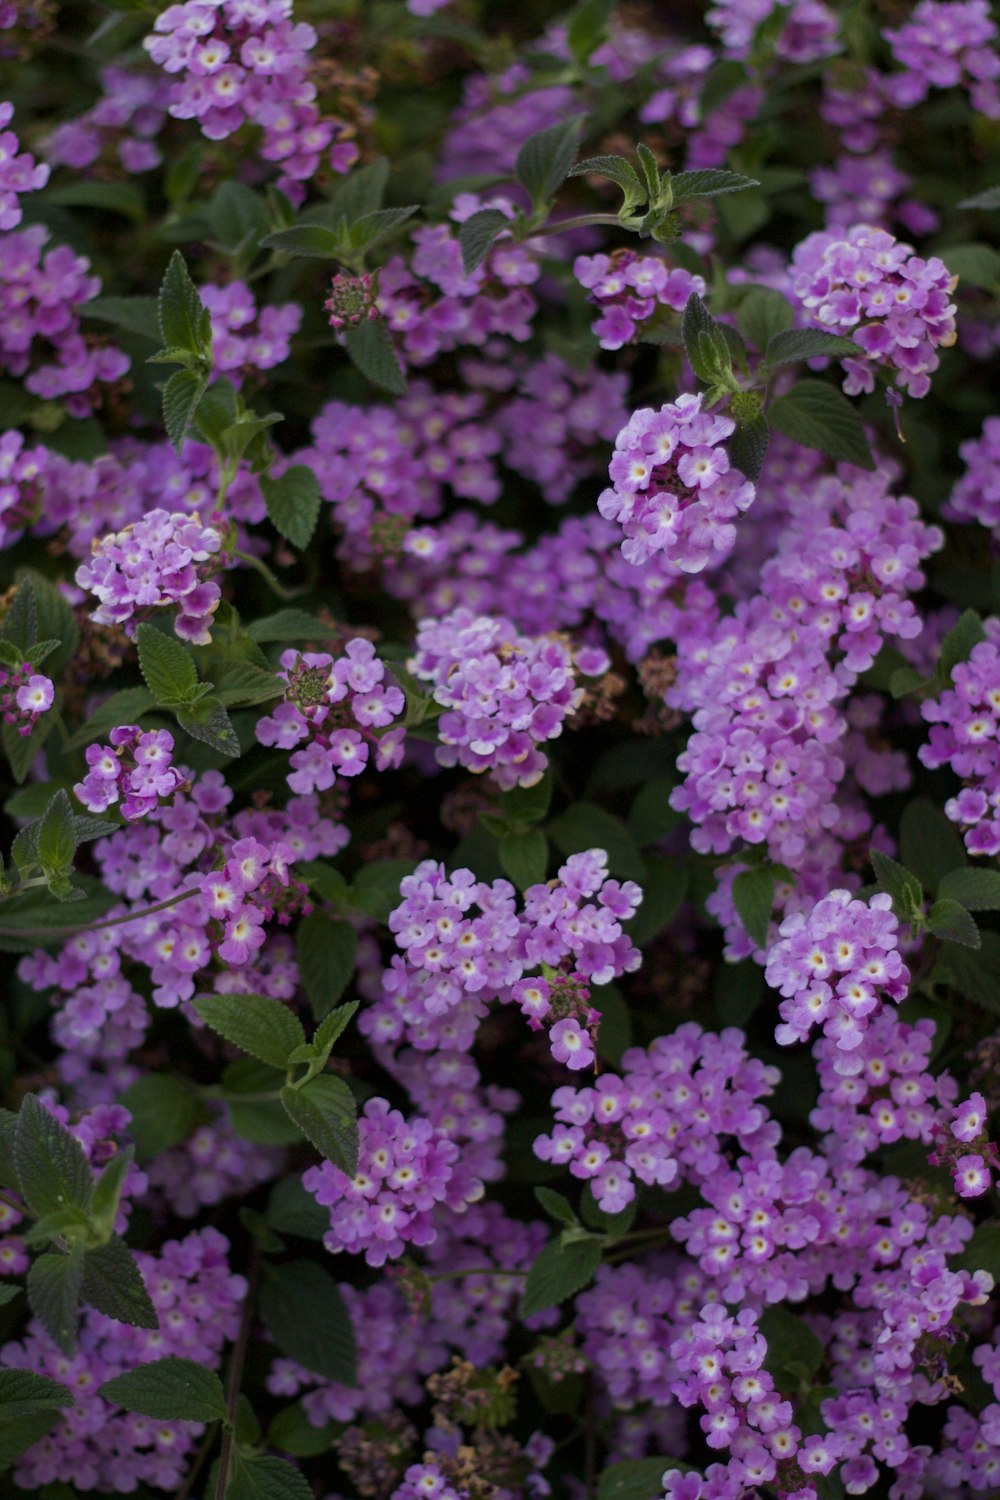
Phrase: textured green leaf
(976, 889)
(184, 322)
(708, 183)
(164, 1112)
(545, 159)
(584, 825)
(524, 857)
(899, 883)
(324, 1110)
(237, 216)
(288, 625)
(265, 1028)
(477, 234)
(266, 1478)
(558, 1273)
(635, 1479)
(169, 1390)
(748, 447)
(929, 844)
(376, 886)
(22, 1391)
(241, 684)
(818, 415)
(134, 314)
(371, 228)
(181, 395)
(126, 707)
(113, 1284)
(976, 973)
(556, 1206)
(310, 240)
(953, 924)
(16, 1438)
(326, 951)
(753, 898)
(333, 1025)
(807, 343)
(54, 1283)
(293, 503)
(167, 667)
(371, 349)
(957, 645)
(209, 722)
(308, 1319)
(55, 841)
(975, 264)
(51, 1166)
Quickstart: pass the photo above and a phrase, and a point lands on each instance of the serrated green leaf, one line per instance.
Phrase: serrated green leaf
(618, 170)
(241, 684)
(326, 951)
(308, 1319)
(181, 395)
(34, 920)
(288, 625)
(375, 889)
(976, 973)
(293, 503)
(792, 1348)
(18, 1436)
(958, 644)
(372, 350)
(135, 314)
(52, 1168)
(524, 857)
(126, 707)
(748, 447)
(545, 159)
(976, 889)
(753, 898)
(167, 667)
(953, 924)
(325, 1112)
(807, 343)
(362, 190)
(23, 1392)
(169, 1390)
(587, 27)
(376, 226)
(929, 843)
(108, 1190)
(559, 1273)
(818, 415)
(333, 1025)
(237, 216)
(184, 322)
(55, 840)
(708, 183)
(975, 264)
(312, 241)
(476, 236)
(209, 722)
(897, 882)
(54, 1283)
(112, 1282)
(636, 1478)
(265, 1028)
(164, 1112)
(556, 1206)
(266, 1478)
(21, 750)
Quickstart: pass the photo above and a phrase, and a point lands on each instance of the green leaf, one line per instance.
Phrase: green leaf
(333, 1026)
(34, 920)
(288, 625)
(54, 619)
(308, 1319)
(371, 349)
(545, 159)
(184, 322)
(957, 645)
(126, 707)
(262, 1121)
(371, 228)
(326, 952)
(293, 503)
(265, 1028)
(556, 1206)
(108, 1191)
(584, 825)
(477, 234)
(21, 750)
(8, 1293)
(705, 344)
(988, 198)
(929, 844)
(23, 1392)
(524, 857)
(664, 886)
(636, 1478)
(55, 841)
(167, 667)
(113, 1284)
(20, 625)
(976, 264)
(818, 415)
(976, 889)
(618, 170)
(981, 1252)
(266, 1478)
(54, 1283)
(291, 1210)
(208, 721)
(794, 1353)
(953, 924)
(753, 898)
(806, 343)
(169, 1390)
(376, 886)
(292, 1432)
(123, 198)
(708, 183)
(164, 1109)
(362, 191)
(897, 882)
(237, 216)
(135, 314)
(324, 1110)
(51, 1166)
(558, 1273)
(23, 1434)
(309, 240)
(975, 974)
(240, 684)
(748, 447)
(181, 395)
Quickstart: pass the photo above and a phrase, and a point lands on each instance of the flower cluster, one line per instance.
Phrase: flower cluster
(19, 172)
(240, 62)
(162, 560)
(21, 477)
(893, 303)
(332, 708)
(976, 496)
(405, 1169)
(237, 349)
(628, 288)
(503, 693)
(126, 118)
(946, 44)
(41, 295)
(97, 1445)
(833, 966)
(970, 1168)
(134, 771)
(964, 723)
(554, 423)
(24, 696)
(809, 29)
(673, 490)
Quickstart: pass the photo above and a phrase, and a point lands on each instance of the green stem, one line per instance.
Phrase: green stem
(476, 1271)
(24, 885)
(20, 1208)
(129, 916)
(234, 1376)
(265, 572)
(560, 226)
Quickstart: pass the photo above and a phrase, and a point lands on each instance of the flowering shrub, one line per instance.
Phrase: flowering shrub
(500, 750)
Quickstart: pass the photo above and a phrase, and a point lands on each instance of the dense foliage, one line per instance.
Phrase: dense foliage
(501, 749)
